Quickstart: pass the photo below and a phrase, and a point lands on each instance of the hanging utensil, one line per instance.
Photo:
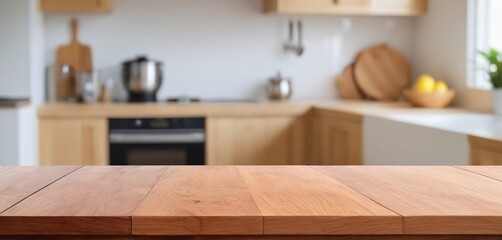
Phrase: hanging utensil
(290, 46)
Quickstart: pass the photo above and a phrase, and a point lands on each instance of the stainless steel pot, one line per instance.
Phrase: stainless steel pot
(142, 76)
(280, 88)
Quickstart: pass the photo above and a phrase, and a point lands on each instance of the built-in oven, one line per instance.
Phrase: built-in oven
(159, 141)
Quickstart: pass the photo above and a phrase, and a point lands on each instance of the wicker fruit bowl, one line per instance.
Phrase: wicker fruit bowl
(429, 100)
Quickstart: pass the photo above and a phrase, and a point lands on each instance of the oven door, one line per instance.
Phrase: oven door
(164, 147)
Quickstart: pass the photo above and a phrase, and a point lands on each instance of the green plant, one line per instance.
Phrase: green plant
(494, 70)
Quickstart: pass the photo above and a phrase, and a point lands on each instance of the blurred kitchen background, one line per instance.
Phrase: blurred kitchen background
(229, 49)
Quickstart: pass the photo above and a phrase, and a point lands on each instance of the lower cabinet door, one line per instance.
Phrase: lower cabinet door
(73, 141)
(485, 151)
(337, 139)
(256, 141)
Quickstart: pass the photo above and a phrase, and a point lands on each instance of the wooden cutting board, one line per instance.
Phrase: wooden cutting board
(382, 72)
(346, 84)
(75, 54)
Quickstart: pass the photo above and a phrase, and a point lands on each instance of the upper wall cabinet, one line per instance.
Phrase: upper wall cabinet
(75, 6)
(348, 7)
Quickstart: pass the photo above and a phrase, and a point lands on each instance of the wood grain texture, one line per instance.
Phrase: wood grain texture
(346, 84)
(429, 99)
(494, 172)
(432, 200)
(259, 109)
(17, 183)
(198, 201)
(382, 72)
(361, 237)
(347, 7)
(300, 200)
(256, 141)
(73, 141)
(75, 6)
(485, 151)
(75, 54)
(337, 138)
(90, 201)
(292, 237)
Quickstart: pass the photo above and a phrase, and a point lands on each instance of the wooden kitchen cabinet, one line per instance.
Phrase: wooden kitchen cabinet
(256, 141)
(73, 142)
(75, 6)
(485, 151)
(336, 138)
(348, 7)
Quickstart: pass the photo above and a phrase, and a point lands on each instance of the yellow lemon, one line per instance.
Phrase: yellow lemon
(425, 83)
(440, 86)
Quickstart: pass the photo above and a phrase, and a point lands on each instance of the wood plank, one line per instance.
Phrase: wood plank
(432, 200)
(90, 201)
(362, 237)
(198, 201)
(117, 110)
(17, 183)
(300, 200)
(293, 237)
(494, 172)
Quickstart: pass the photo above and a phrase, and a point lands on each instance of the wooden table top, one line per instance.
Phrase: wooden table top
(250, 200)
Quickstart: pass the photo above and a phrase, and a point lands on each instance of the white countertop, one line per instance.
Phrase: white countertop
(455, 120)
(474, 124)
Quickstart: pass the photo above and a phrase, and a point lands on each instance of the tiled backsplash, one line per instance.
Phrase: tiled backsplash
(225, 48)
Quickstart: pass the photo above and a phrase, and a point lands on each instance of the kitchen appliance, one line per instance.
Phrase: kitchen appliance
(188, 99)
(280, 88)
(142, 78)
(162, 141)
(61, 84)
(183, 99)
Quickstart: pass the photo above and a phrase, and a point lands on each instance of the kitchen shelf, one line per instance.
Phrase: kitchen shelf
(347, 7)
(75, 6)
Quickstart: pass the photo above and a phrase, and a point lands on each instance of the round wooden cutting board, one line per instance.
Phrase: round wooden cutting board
(346, 84)
(382, 72)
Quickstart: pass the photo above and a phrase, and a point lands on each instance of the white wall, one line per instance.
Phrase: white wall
(21, 75)
(225, 48)
(440, 44)
(9, 137)
(389, 142)
(14, 51)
